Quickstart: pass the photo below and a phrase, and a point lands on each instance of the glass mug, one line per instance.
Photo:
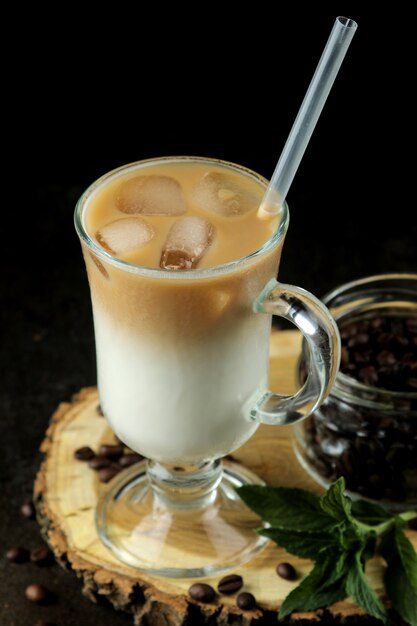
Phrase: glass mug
(182, 368)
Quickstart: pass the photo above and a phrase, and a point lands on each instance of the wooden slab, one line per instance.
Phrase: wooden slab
(66, 492)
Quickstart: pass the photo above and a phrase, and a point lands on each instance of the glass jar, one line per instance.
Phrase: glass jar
(366, 430)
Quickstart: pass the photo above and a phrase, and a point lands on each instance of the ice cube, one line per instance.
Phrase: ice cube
(186, 243)
(151, 195)
(124, 235)
(220, 193)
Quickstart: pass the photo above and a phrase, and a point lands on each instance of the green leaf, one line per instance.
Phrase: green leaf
(352, 538)
(408, 557)
(369, 513)
(340, 536)
(305, 545)
(358, 587)
(400, 591)
(335, 503)
(287, 508)
(321, 587)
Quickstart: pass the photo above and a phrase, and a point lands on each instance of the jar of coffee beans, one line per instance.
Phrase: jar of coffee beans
(366, 430)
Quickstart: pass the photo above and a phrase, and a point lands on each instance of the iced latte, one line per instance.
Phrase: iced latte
(182, 273)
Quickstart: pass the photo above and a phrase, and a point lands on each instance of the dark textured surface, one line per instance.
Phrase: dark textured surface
(83, 104)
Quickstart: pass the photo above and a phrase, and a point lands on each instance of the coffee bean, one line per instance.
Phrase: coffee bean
(37, 593)
(99, 462)
(230, 584)
(107, 473)
(345, 356)
(411, 325)
(112, 452)
(28, 510)
(246, 601)
(286, 570)
(84, 454)
(360, 339)
(130, 459)
(385, 357)
(41, 556)
(202, 592)
(368, 375)
(17, 554)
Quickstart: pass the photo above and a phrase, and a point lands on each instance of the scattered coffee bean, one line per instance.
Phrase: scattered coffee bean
(107, 473)
(99, 462)
(230, 584)
(37, 593)
(28, 510)
(17, 554)
(41, 556)
(112, 452)
(202, 592)
(246, 601)
(286, 570)
(130, 459)
(84, 454)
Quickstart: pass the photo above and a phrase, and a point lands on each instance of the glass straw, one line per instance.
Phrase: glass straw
(305, 122)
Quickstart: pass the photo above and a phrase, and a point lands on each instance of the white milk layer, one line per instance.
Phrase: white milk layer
(180, 401)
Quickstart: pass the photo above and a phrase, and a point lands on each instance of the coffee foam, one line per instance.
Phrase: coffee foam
(189, 308)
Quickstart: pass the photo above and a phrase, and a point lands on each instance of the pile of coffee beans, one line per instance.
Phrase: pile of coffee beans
(109, 460)
(373, 446)
(381, 352)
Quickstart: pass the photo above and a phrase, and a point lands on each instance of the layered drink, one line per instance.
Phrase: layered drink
(181, 357)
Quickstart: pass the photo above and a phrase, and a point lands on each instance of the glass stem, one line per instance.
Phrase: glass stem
(185, 486)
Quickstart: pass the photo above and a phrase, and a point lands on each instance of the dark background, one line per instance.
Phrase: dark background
(214, 81)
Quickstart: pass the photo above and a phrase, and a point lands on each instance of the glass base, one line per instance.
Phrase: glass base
(179, 533)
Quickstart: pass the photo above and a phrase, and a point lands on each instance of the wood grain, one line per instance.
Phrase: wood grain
(66, 493)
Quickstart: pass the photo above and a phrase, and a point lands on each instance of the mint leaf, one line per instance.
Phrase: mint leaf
(400, 592)
(397, 584)
(408, 557)
(286, 507)
(335, 503)
(358, 587)
(369, 513)
(352, 538)
(305, 545)
(395, 545)
(340, 536)
(320, 588)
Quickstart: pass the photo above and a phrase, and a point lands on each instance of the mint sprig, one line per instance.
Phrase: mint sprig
(340, 536)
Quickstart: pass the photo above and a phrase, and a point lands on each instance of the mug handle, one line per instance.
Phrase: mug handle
(322, 337)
